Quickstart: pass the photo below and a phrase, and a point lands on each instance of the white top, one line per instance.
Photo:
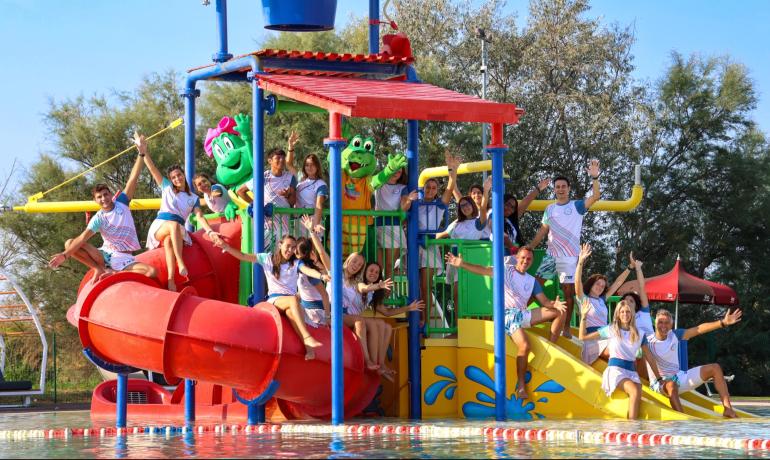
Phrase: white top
(469, 229)
(217, 203)
(508, 228)
(388, 197)
(519, 287)
(598, 314)
(308, 190)
(644, 321)
(116, 226)
(306, 286)
(666, 352)
(622, 347)
(180, 204)
(430, 215)
(286, 282)
(352, 300)
(565, 222)
(273, 185)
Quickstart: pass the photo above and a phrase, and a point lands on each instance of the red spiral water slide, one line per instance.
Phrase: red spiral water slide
(201, 333)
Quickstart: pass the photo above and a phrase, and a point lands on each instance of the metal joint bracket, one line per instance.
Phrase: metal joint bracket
(270, 104)
(106, 365)
(221, 57)
(188, 92)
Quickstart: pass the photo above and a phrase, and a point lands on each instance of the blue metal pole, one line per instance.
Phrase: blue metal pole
(255, 414)
(258, 222)
(189, 402)
(374, 27)
(413, 268)
(121, 402)
(189, 94)
(222, 55)
(498, 292)
(335, 145)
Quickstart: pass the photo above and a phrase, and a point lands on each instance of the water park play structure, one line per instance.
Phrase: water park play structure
(245, 363)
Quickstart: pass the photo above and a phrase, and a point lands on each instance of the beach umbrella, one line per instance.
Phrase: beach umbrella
(679, 286)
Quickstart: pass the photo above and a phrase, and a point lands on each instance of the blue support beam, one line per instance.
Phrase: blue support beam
(189, 402)
(498, 279)
(258, 222)
(121, 401)
(374, 26)
(413, 267)
(222, 55)
(335, 143)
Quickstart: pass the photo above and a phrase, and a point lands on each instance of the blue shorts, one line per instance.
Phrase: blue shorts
(517, 319)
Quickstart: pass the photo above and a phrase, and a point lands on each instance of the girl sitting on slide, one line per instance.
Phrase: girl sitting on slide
(311, 291)
(215, 195)
(177, 202)
(595, 289)
(282, 272)
(624, 341)
(354, 297)
(379, 331)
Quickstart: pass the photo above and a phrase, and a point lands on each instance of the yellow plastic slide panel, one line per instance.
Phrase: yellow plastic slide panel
(561, 367)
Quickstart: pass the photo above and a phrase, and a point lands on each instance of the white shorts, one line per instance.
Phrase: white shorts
(391, 236)
(517, 319)
(153, 242)
(565, 268)
(431, 258)
(689, 380)
(117, 260)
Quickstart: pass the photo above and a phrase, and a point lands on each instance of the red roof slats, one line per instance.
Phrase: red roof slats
(366, 98)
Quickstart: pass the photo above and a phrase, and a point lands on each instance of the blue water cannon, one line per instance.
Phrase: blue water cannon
(299, 15)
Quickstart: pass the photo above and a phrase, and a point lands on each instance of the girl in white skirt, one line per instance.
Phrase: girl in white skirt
(595, 289)
(177, 202)
(282, 272)
(623, 342)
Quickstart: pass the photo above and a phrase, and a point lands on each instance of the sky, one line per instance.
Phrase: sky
(86, 47)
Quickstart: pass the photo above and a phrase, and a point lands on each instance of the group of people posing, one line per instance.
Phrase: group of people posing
(297, 268)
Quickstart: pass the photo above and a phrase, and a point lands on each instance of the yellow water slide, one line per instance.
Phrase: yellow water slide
(458, 381)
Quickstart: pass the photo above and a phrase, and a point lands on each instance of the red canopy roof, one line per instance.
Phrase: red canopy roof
(368, 98)
(680, 285)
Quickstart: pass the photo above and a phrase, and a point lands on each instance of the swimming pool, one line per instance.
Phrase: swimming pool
(317, 445)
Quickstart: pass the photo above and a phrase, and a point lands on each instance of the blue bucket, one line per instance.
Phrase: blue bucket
(299, 15)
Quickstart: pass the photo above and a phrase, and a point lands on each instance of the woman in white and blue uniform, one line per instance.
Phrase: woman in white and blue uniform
(623, 343)
(177, 202)
(596, 290)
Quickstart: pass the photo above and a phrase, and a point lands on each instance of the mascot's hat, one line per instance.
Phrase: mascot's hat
(226, 125)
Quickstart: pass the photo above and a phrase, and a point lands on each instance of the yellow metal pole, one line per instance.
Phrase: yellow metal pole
(637, 191)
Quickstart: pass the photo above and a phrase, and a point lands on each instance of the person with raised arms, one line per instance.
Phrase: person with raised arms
(623, 343)
(563, 223)
(520, 287)
(596, 291)
(116, 225)
(177, 204)
(664, 346)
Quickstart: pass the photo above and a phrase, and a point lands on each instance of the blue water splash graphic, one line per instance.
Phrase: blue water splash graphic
(515, 408)
(449, 383)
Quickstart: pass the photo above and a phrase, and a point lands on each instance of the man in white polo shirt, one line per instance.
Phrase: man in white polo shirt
(664, 346)
(563, 222)
(116, 225)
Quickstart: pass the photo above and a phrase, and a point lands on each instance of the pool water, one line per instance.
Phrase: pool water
(381, 446)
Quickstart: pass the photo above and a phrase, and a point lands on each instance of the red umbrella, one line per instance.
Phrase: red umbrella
(678, 285)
